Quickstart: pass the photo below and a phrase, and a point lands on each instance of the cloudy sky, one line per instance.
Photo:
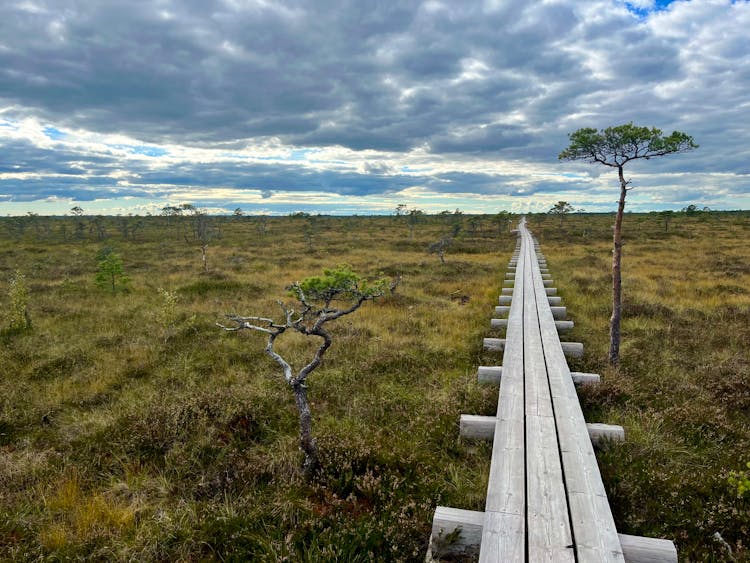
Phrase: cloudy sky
(355, 107)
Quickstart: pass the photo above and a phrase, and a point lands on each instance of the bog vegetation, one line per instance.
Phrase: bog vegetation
(132, 428)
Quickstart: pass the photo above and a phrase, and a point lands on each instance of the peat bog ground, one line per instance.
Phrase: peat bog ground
(133, 428)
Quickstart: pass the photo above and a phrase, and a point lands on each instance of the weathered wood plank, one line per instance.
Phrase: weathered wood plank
(572, 349)
(599, 432)
(498, 323)
(538, 401)
(591, 517)
(581, 378)
(477, 427)
(559, 312)
(456, 532)
(494, 344)
(465, 543)
(490, 375)
(548, 536)
(562, 326)
(503, 538)
(504, 532)
(638, 549)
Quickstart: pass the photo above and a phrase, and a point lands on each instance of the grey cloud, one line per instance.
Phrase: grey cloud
(386, 76)
(24, 157)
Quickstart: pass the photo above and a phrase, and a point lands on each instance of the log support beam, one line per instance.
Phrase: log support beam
(457, 533)
(477, 427)
(561, 326)
(570, 349)
(491, 375)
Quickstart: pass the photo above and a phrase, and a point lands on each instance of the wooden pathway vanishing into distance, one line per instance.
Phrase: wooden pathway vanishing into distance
(545, 497)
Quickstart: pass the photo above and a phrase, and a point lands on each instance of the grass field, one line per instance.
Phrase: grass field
(133, 428)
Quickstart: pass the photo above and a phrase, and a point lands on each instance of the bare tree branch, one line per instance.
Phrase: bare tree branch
(286, 368)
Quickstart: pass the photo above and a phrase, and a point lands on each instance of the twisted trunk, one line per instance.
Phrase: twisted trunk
(307, 443)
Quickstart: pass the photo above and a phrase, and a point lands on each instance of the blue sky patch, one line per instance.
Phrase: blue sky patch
(54, 133)
(145, 150)
(658, 6)
(148, 151)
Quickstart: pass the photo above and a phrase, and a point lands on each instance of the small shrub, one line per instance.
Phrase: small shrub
(166, 314)
(110, 274)
(18, 309)
(741, 481)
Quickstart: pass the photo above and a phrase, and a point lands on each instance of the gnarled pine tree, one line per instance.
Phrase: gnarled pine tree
(322, 299)
(615, 147)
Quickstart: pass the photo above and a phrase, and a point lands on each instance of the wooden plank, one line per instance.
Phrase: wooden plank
(456, 532)
(489, 375)
(549, 536)
(581, 378)
(594, 543)
(503, 538)
(599, 432)
(494, 344)
(559, 312)
(504, 532)
(562, 326)
(591, 517)
(638, 549)
(572, 349)
(498, 323)
(538, 401)
(477, 427)
(506, 487)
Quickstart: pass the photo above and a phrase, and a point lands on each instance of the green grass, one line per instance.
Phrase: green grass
(128, 433)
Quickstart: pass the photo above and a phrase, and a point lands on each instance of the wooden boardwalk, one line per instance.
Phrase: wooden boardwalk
(545, 497)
